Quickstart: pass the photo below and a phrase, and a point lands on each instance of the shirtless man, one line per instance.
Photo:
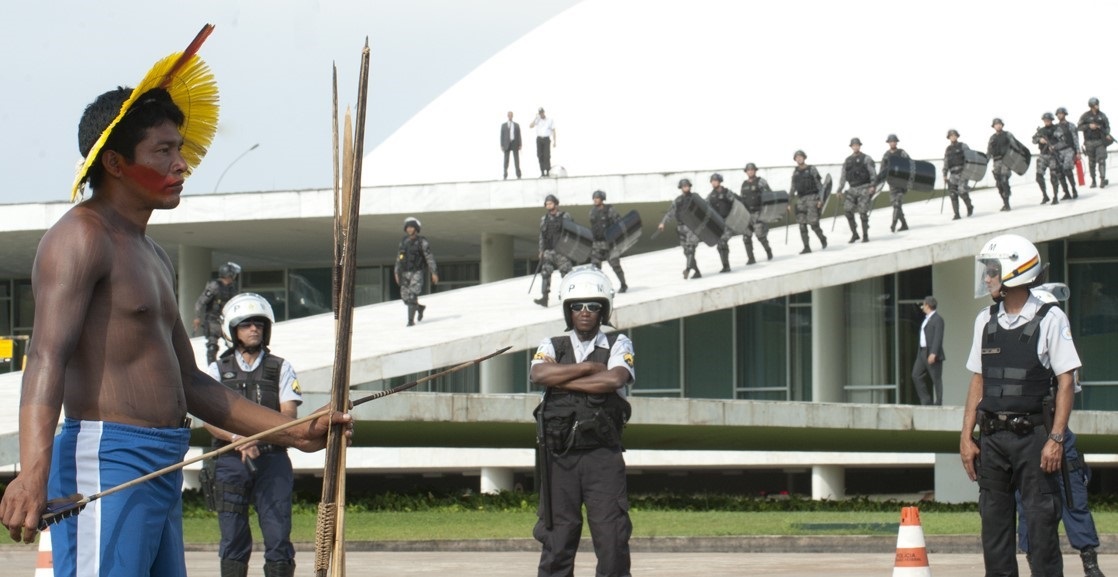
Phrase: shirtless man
(111, 352)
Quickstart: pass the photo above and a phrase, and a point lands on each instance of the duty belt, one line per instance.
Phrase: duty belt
(1019, 423)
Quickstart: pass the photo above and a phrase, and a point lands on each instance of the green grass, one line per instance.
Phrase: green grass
(453, 525)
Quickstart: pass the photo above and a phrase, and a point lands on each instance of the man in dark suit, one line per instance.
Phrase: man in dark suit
(929, 358)
(510, 142)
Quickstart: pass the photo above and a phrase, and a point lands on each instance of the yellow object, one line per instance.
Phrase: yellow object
(7, 349)
(192, 87)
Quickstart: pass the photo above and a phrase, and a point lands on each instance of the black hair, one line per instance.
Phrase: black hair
(151, 109)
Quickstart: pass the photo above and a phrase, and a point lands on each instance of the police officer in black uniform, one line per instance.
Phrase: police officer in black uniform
(585, 374)
(551, 226)
(859, 171)
(258, 474)
(752, 188)
(602, 216)
(896, 193)
(1021, 345)
(1096, 137)
(807, 186)
(954, 160)
(996, 149)
(688, 240)
(210, 302)
(721, 200)
(414, 261)
(1045, 160)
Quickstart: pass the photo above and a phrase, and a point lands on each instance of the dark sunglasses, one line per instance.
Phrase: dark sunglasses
(258, 323)
(592, 307)
(993, 272)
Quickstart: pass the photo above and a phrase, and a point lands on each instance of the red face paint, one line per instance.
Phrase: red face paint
(150, 179)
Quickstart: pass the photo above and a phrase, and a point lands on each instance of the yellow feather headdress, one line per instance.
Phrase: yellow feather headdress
(192, 87)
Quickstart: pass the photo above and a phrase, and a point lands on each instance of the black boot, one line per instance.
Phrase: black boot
(544, 291)
(419, 311)
(970, 207)
(231, 568)
(279, 568)
(725, 256)
(1090, 562)
(904, 223)
(807, 242)
(621, 278)
(542, 301)
(866, 229)
(1065, 181)
(749, 251)
(411, 315)
(853, 227)
(955, 207)
(1005, 202)
(768, 249)
(896, 217)
(694, 266)
(819, 233)
(1102, 174)
(1043, 189)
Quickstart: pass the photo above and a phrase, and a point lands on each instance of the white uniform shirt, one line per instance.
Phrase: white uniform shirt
(544, 127)
(621, 355)
(288, 384)
(1055, 348)
(923, 325)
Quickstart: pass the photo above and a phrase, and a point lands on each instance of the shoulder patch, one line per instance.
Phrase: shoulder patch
(628, 359)
(1066, 333)
(295, 387)
(538, 356)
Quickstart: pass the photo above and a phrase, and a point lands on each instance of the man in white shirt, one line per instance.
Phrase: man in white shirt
(929, 357)
(545, 140)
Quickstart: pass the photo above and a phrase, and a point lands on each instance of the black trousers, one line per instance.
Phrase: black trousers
(516, 158)
(1010, 462)
(543, 152)
(595, 477)
(920, 369)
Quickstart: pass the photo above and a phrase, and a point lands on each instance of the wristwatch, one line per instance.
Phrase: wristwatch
(1058, 437)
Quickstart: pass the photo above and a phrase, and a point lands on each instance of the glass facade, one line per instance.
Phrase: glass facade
(1093, 312)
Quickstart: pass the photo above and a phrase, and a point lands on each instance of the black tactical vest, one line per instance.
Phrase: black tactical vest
(550, 227)
(1065, 137)
(261, 386)
(857, 173)
(579, 421)
(805, 182)
(999, 145)
(954, 158)
(411, 253)
(1013, 379)
(721, 201)
(751, 194)
(599, 221)
(222, 294)
(1099, 120)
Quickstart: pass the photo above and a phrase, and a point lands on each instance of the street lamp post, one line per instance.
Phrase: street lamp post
(242, 155)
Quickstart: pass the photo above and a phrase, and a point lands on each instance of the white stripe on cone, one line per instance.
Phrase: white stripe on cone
(912, 555)
(44, 566)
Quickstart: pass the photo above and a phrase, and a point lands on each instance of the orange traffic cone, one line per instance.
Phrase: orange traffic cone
(912, 556)
(44, 566)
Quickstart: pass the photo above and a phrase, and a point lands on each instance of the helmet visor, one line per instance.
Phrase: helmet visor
(987, 278)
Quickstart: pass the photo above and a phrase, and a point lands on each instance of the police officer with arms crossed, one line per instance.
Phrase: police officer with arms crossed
(602, 216)
(751, 190)
(210, 302)
(412, 264)
(1079, 524)
(806, 186)
(721, 200)
(585, 374)
(858, 170)
(1021, 345)
(258, 474)
(551, 225)
(688, 240)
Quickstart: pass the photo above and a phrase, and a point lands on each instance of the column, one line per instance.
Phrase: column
(496, 265)
(194, 272)
(828, 482)
(953, 287)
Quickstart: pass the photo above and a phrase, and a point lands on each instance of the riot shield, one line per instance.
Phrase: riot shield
(575, 242)
(774, 205)
(975, 167)
(909, 174)
(698, 216)
(623, 234)
(1017, 157)
(825, 193)
(738, 219)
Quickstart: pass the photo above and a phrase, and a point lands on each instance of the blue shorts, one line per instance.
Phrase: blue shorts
(134, 533)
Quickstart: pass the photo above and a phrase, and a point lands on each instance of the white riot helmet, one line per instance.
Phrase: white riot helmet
(586, 284)
(1052, 292)
(241, 308)
(1012, 259)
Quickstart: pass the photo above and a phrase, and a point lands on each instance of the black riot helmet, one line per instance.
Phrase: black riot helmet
(599, 194)
(684, 182)
(412, 221)
(229, 270)
(750, 166)
(996, 122)
(855, 140)
(1047, 116)
(1092, 101)
(551, 198)
(952, 131)
(716, 176)
(1062, 110)
(798, 154)
(892, 138)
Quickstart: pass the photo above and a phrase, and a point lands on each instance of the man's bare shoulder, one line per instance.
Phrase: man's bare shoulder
(81, 236)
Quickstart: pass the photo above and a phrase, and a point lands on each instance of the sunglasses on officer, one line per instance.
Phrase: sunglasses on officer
(592, 307)
(255, 322)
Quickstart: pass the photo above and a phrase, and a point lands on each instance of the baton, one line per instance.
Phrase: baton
(787, 223)
(534, 275)
(834, 219)
(655, 234)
